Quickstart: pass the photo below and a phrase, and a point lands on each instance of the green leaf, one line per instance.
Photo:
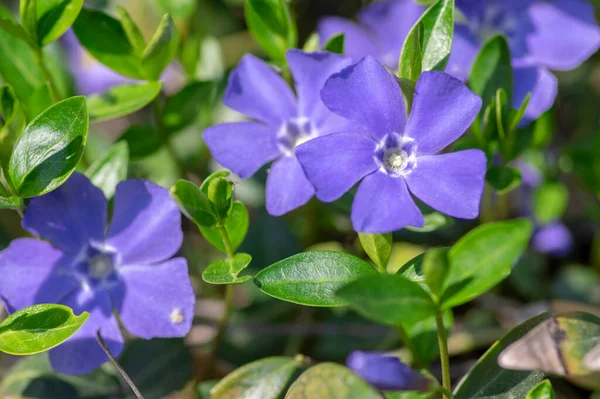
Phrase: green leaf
(330, 381)
(408, 92)
(550, 202)
(183, 108)
(488, 380)
(55, 17)
(435, 269)
(162, 48)
(437, 28)
(503, 179)
(236, 226)
(388, 299)
(38, 328)
(378, 247)
(413, 69)
(335, 44)
(492, 70)
(122, 100)
(181, 9)
(226, 271)
(143, 140)
(543, 390)
(105, 39)
(13, 28)
(312, 43)
(10, 202)
(482, 258)
(134, 36)
(108, 171)
(220, 194)
(193, 203)
(271, 25)
(14, 123)
(312, 278)
(433, 221)
(265, 379)
(50, 148)
(27, 11)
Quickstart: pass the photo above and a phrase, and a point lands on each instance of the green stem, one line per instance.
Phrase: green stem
(39, 58)
(162, 134)
(444, 357)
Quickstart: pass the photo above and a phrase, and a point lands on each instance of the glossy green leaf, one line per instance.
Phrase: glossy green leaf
(183, 108)
(492, 70)
(312, 43)
(388, 299)
(312, 278)
(193, 203)
(54, 17)
(236, 225)
(487, 380)
(335, 44)
(38, 328)
(27, 11)
(111, 169)
(105, 39)
(15, 29)
(436, 26)
(503, 179)
(135, 37)
(435, 269)
(14, 123)
(482, 258)
(220, 194)
(161, 49)
(226, 271)
(271, 25)
(266, 379)
(543, 390)
(10, 202)
(550, 202)
(433, 221)
(412, 70)
(378, 247)
(330, 381)
(50, 148)
(122, 100)
(143, 140)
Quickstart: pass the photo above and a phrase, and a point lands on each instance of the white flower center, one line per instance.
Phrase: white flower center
(100, 266)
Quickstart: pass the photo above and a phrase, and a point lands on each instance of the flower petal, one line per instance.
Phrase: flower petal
(310, 72)
(443, 109)
(465, 47)
(30, 274)
(287, 186)
(242, 147)
(554, 239)
(450, 183)
(383, 205)
(335, 163)
(146, 225)
(386, 373)
(257, 91)
(358, 41)
(70, 216)
(155, 301)
(565, 33)
(543, 86)
(81, 353)
(369, 95)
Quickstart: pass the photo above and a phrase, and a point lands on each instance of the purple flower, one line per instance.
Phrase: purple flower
(380, 33)
(281, 123)
(395, 154)
(556, 34)
(89, 268)
(386, 373)
(553, 239)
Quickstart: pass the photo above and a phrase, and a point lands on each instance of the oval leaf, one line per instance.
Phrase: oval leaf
(111, 169)
(236, 225)
(193, 203)
(50, 148)
(378, 247)
(122, 100)
(226, 271)
(271, 25)
(38, 328)
(543, 390)
(10, 202)
(492, 70)
(54, 17)
(312, 278)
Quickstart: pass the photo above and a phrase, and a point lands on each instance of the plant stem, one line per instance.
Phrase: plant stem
(162, 134)
(444, 357)
(126, 377)
(39, 58)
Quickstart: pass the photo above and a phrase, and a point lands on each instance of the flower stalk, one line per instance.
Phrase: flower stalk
(444, 356)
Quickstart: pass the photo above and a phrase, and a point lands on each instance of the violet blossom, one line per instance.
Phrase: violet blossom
(281, 123)
(396, 155)
(88, 267)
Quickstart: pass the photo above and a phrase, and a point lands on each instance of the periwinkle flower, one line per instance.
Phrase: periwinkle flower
(542, 35)
(386, 373)
(380, 33)
(88, 267)
(553, 239)
(281, 123)
(396, 155)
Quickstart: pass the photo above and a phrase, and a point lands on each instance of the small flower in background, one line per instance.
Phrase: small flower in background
(557, 34)
(89, 268)
(386, 373)
(281, 123)
(380, 33)
(396, 155)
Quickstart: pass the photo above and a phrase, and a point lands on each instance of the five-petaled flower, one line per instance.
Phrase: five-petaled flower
(385, 372)
(281, 124)
(555, 34)
(89, 268)
(396, 154)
